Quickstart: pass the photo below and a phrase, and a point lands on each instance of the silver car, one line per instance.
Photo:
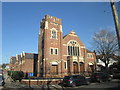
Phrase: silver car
(2, 81)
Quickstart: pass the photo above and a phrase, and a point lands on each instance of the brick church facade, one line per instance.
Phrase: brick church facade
(58, 55)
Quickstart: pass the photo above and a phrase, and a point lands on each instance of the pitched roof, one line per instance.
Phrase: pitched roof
(88, 51)
(71, 32)
(65, 36)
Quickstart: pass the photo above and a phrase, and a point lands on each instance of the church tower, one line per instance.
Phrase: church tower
(50, 47)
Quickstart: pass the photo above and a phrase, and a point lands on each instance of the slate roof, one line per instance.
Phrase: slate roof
(31, 56)
(88, 51)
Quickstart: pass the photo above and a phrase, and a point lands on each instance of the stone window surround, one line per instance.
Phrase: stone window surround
(53, 29)
(77, 44)
(53, 51)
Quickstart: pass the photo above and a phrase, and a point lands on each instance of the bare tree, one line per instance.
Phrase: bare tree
(106, 45)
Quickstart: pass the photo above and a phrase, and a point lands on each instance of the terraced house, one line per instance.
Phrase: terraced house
(58, 55)
(26, 62)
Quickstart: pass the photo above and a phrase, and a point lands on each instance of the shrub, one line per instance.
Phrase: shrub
(16, 75)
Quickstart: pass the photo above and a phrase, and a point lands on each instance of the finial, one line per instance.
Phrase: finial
(72, 32)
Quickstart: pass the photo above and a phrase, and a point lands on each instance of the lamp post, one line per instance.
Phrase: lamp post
(116, 21)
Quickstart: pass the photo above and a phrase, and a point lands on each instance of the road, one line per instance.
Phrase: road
(1, 87)
(115, 83)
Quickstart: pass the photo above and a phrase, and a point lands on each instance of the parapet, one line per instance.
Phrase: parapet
(53, 19)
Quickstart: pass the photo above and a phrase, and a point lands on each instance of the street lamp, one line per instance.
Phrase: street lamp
(116, 21)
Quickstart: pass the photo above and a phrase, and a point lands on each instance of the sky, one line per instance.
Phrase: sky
(21, 23)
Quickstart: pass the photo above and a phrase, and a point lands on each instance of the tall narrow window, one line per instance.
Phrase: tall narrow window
(51, 50)
(65, 65)
(78, 51)
(68, 50)
(75, 52)
(54, 34)
(56, 51)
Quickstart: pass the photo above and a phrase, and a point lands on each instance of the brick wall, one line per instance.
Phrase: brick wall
(41, 82)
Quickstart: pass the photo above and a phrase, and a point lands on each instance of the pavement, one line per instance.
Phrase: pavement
(11, 85)
(17, 85)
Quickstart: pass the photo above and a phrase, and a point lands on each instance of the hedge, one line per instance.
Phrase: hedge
(16, 75)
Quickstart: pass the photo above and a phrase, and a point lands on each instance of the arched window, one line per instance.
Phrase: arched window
(73, 48)
(54, 34)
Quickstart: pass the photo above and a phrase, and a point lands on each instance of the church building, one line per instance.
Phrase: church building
(60, 55)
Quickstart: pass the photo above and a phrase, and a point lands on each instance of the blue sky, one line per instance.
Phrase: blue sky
(21, 22)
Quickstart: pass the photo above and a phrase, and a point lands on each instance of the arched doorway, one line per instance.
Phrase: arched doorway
(54, 68)
(81, 67)
(75, 67)
(91, 67)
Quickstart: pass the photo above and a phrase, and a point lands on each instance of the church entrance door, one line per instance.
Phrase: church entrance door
(75, 67)
(81, 67)
(54, 69)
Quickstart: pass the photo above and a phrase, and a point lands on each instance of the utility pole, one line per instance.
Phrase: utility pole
(116, 21)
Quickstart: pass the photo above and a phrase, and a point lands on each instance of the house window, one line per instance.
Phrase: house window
(54, 34)
(89, 55)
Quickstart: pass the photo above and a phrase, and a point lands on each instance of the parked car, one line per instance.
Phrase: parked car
(116, 75)
(2, 81)
(1, 72)
(100, 77)
(74, 80)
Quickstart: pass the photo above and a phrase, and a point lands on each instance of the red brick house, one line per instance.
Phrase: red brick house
(60, 55)
(26, 62)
